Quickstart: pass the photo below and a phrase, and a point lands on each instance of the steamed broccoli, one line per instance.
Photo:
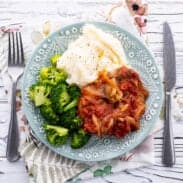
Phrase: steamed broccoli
(59, 97)
(70, 120)
(71, 105)
(74, 93)
(38, 93)
(79, 139)
(51, 75)
(54, 59)
(44, 72)
(57, 102)
(56, 135)
(48, 113)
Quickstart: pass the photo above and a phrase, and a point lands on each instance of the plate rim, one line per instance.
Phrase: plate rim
(137, 39)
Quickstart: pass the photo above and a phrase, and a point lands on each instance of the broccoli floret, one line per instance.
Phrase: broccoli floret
(74, 91)
(79, 139)
(56, 135)
(44, 72)
(52, 76)
(48, 113)
(54, 59)
(59, 97)
(71, 105)
(38, 93)
(70, 120)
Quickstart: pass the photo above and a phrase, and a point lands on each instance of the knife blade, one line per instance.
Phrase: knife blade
(169, 63)
(169, 58)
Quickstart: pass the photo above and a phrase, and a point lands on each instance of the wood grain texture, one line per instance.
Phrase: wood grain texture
(160, 11)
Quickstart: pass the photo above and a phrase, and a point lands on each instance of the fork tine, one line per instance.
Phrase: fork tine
(17, 49)
(9, 48)
(13, 60)
(21, 49)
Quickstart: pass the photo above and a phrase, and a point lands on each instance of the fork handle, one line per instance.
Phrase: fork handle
(168, 144)
(13, 134)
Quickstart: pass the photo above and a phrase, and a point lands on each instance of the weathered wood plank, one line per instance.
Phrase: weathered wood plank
(155, 177)
(154, 37)
(13, 172)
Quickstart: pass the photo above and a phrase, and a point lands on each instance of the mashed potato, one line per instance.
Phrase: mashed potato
(92, 52)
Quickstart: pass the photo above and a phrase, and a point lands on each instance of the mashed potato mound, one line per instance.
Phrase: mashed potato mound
(92, 52)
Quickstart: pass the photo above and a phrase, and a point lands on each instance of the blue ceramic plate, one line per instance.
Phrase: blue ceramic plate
(139, 57)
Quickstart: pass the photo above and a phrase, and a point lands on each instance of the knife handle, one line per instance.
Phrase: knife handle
(168, 145)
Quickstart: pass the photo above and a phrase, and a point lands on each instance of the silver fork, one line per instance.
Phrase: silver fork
(15, 70)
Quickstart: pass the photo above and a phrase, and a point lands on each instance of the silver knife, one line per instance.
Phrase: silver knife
(169, 63)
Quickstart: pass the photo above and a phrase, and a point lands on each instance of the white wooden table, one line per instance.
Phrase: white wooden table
(159, 11)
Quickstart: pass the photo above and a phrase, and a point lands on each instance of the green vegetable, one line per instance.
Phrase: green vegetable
(38, 93)
(52, 76)
(79, 139)
(74, 91)
(70, 120)
(44, 72)
(54, 59)
(57, 102)
(56, 135)
(71, 105)
(48, 113)
(59, 97)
